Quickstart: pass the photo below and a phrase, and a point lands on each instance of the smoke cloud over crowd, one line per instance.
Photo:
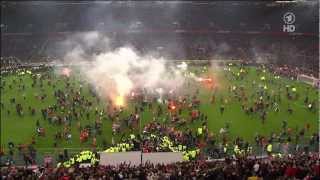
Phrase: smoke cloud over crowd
(116, 73)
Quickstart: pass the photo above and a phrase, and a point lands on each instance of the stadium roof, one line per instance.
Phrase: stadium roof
(212, 2)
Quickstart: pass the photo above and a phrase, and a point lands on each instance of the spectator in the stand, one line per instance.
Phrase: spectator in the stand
(301, 166)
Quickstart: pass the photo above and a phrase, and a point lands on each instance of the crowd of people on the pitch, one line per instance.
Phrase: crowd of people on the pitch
(71, 105)
(300, 166)
(264, 99)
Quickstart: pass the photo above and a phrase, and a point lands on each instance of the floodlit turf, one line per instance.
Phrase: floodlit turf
(22, 129)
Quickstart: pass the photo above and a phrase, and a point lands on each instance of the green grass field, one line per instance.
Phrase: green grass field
(21, 129)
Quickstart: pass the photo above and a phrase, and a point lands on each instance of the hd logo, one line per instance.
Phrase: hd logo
(289, 18)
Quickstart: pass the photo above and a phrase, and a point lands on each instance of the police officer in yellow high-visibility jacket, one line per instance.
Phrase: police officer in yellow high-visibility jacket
(193, 154)
(269, 148)
(236, 149)
(186, 157)
(225, 148)
(199, 131)
(132, 136)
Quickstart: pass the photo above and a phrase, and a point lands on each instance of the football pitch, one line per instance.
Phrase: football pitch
(21, 129)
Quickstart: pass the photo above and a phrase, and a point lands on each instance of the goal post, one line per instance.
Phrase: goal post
(308, 79)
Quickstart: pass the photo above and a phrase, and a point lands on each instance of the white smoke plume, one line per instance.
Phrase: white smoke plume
(116, 73)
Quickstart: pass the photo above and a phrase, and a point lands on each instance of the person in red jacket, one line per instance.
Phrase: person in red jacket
(65, 177)
(316, 168)
(291, 171)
